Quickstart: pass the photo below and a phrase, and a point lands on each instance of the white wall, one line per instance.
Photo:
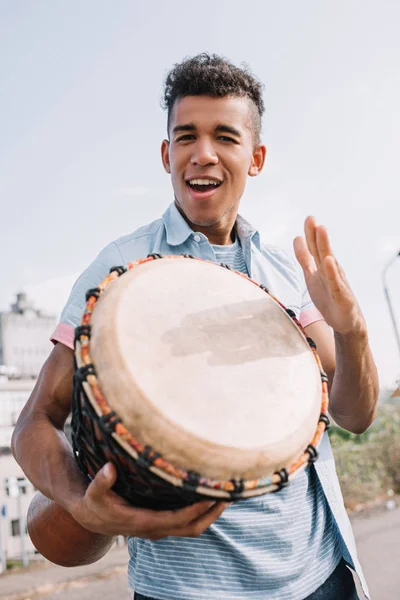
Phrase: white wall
(15, 509)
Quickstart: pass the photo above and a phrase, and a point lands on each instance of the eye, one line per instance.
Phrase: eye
(185, 138)
(225, 138)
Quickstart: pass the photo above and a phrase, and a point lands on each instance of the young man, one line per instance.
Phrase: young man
(288, 546)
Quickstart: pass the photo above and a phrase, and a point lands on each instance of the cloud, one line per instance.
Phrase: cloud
(131, 191)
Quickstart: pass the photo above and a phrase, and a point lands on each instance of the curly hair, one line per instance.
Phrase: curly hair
(212, 75)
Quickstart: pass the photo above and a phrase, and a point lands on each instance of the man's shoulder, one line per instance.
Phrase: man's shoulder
(121, 251)
(133, 246)
(140, 235)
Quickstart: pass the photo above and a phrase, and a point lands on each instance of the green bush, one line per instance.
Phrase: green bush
(369, 464)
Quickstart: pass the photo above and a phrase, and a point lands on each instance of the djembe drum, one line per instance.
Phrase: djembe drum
(195, 382)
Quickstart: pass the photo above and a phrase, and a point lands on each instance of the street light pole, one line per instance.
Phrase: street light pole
(387, 295)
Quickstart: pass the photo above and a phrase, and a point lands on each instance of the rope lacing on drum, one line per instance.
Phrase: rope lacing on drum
(95, 292)
(284, 478)
(147, 457)
(263, 288)
(188, 255)
(192, 480)
(82, 373)
(119, 269)
(109, 421)
(225, 266)
(291, 313)
(154, 256)
(324, 377)
(311, 343)
(238, 487)
(312, 452)
(323, 418)
(82, 330)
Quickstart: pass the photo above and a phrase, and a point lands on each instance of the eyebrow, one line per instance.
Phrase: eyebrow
(220, 128)
(228, 129)
(186, 127)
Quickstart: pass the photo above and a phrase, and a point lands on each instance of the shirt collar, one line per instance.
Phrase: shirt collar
(178, 230)
(246, 231)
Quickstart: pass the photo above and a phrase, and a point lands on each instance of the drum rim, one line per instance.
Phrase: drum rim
(231, 489)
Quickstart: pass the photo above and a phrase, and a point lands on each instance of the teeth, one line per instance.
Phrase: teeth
(203, 182)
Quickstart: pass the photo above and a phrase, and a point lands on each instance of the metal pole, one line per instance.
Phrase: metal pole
(386, 291)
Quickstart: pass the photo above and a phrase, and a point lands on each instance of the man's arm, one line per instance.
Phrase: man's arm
(41, 448)
(353, 380)
(39, 444)
(345, 354)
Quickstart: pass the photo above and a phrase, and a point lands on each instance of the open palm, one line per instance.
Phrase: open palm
(325, 279)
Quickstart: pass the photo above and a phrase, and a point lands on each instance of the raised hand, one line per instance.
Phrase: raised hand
(326, 281)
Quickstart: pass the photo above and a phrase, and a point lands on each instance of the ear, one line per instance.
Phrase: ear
(257, 161)
(165, 155)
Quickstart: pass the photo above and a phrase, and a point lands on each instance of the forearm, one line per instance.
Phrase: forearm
(46, 457)
(355, 387)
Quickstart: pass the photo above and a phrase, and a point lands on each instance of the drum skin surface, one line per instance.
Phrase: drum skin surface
(216, 387)
(206, 368)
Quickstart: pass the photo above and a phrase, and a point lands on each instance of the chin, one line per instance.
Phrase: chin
(202, 218)
(205, 217)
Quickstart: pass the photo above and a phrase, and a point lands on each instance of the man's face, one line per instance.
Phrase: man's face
(210, 154)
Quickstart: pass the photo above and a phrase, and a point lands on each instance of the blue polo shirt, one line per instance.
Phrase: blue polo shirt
(278, 546)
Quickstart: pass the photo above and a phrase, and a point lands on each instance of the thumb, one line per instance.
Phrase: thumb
(103, 481)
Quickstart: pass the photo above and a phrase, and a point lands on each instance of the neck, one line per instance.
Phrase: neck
(222, 232)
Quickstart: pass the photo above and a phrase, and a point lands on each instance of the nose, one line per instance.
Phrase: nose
(204, 153)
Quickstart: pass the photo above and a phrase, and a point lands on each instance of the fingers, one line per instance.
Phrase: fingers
(323, 244)
(332, 272)
(310, 231)
(338, 285)
(196, 527)
(171, 520)
(317, 241)
(303, 255)
(110, 514)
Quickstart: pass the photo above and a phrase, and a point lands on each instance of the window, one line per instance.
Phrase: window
(22, 485)
(15, 527)
(15, 486)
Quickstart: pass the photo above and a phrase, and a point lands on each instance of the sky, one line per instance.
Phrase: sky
(81, 125)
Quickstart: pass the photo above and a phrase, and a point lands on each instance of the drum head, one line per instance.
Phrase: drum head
(206, 368)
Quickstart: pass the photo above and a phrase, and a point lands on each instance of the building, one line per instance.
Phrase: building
(16, 492)
(24, 339)
(13, 395)
(24, 347)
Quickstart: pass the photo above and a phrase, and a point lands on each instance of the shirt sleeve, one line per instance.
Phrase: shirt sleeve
(71, 316)
(308, 313)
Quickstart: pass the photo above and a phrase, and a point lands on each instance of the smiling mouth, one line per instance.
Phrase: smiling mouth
(203, 184)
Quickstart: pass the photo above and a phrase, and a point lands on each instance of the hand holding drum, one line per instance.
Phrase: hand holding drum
(100, 516)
